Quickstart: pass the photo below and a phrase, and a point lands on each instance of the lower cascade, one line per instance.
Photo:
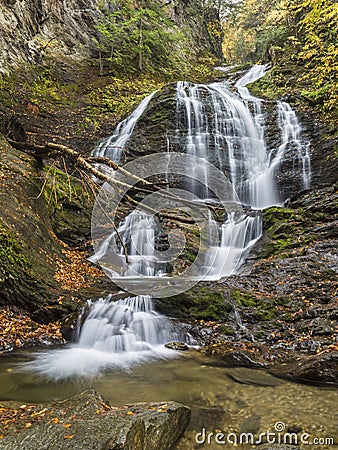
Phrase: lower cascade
(113, 335)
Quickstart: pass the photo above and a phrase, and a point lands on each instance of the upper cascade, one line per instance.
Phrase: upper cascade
(226, 128)
(114, 145)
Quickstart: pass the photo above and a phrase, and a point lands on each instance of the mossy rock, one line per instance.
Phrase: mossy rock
(28, 248)
(204, 302)
(284, 229)
(69, 204)
(263, 309)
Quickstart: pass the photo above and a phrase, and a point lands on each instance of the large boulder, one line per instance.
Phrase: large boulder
(87, 421)
(317, 369)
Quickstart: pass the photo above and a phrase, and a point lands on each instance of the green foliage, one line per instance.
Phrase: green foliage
(319, 36)
(136, 38)
(37, 84)
(121, 95)
(258, 26)
(300, 34)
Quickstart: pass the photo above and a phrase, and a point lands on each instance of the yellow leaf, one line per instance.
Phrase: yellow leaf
(28, 424)
(69, 436)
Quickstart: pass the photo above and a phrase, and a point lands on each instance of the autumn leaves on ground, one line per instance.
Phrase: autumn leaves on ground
(18, 330)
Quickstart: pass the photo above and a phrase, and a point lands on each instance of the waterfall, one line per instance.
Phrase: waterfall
(138, 232)
(113, 146)
(130, 324)
(114, 335)
(291, 135)
(227, 128)
(237, 237)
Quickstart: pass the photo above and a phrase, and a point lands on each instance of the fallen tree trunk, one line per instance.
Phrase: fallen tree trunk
(88, 164)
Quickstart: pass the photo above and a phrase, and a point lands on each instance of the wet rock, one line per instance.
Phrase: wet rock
(206, 417)
(250, 424)
(234, 357)
(239, 358)
(294, 429)
(181, 346)
(318, 369)
(87, 422)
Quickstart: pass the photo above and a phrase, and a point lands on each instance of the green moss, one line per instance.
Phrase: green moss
(200, 302)
(244, 298)
(226, 330)
(285, 229)
(39, 85)
(13, 256)
(264, 309)
(69, 204)
(119, 96)
(270, 86)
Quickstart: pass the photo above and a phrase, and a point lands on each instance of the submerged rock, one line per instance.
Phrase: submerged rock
(87, 421)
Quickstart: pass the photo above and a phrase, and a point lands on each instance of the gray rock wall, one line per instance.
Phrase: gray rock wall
(31, 29)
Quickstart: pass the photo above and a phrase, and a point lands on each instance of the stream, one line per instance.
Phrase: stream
(234, 400)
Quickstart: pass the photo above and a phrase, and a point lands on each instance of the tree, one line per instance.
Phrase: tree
(136, 38)
(317, 31)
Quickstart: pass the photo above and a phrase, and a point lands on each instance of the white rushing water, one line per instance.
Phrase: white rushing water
(114, 335)
(138, 232)
(227, 129)
(114, 145)
(237, 238)
(291, 134)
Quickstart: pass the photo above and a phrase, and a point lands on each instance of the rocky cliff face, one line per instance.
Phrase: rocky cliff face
(32, 29)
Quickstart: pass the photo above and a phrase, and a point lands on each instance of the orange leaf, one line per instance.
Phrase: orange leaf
(67, 425)
(69, 436)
